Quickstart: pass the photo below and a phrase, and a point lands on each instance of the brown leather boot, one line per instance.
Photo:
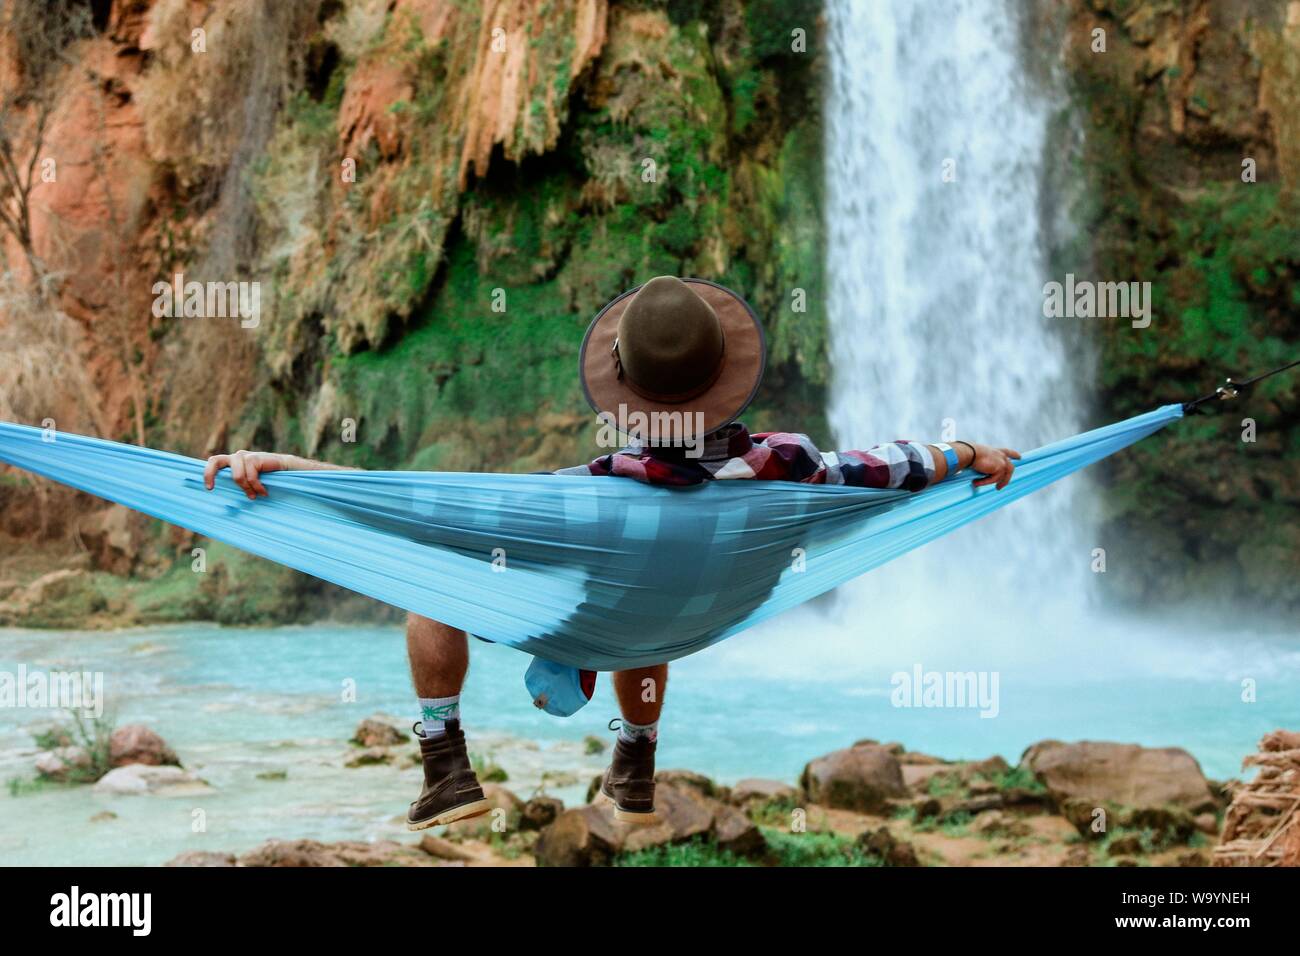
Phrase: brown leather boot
(630, 781)
(451, 791)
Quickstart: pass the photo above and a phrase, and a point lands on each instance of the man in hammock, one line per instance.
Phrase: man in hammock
(671, 365)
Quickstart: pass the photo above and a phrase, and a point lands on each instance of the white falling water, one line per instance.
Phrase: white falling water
(936, 286)
(936, 315)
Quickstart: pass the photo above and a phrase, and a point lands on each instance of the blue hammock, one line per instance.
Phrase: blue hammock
(585, 573)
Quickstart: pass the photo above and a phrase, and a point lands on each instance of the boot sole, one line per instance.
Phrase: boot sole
(463, 812)
(638, 818)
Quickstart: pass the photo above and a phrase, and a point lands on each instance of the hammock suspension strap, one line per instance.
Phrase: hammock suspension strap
(1230, 389)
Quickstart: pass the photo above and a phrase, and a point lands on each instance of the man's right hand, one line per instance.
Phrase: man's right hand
(245, 468)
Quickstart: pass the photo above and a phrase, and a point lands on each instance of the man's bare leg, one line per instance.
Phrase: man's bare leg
(439, 659)
(439, 656)
(640, 693)
(630, 780)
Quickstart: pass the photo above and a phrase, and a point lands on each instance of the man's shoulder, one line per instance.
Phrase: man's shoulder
(777, 439)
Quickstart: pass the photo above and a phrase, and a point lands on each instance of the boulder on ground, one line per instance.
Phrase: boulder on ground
(137, 744)
(591, 836)
(1120, 775)
(139, 779)
(583, 836)
(863, 778)
(682, 814)
(376, 732)
(504, 817)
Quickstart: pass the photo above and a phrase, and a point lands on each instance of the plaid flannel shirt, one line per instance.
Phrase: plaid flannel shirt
(732, 453)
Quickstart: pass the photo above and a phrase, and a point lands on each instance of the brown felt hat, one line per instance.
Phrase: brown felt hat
(673, 346)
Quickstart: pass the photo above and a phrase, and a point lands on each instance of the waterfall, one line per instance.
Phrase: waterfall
(934, 149)
(937, 332)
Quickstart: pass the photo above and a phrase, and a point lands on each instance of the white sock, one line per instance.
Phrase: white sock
(436, 711)
(633, 732)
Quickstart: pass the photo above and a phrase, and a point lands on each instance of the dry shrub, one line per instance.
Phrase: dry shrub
(41, 372)
(43, 377)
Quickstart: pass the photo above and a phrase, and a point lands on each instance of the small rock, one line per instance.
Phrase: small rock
(890, 849)
(591, 744)
(1077, 855)
(139, 779)
(103, 816)
(375, 732)
(977, 805)
(273, 775)
(1170, 824)
(995, 823)
(137, 744)
(926, 807)
(1130, 844)
(540, 812)
(1207, 823)
(736, 833)
(369, 757)
(443, 849)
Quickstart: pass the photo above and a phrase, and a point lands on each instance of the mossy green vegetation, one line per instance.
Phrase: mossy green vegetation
(1169, 205)
(673, 159)
(784, 849)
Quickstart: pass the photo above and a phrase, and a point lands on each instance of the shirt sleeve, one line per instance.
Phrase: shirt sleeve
(898, 464)
(643, 468)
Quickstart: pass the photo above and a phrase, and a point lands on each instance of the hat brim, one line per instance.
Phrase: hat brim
(744, 354)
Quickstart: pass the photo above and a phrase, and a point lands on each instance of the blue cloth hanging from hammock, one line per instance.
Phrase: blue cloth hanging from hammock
(582, 572)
